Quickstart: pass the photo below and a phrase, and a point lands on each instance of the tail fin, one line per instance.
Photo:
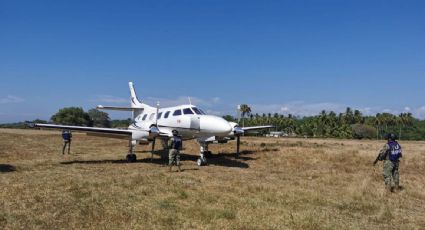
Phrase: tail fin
(135, 103)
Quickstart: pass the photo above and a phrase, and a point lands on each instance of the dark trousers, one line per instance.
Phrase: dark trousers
(66, 143)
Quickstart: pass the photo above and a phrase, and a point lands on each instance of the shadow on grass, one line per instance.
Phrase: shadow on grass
(222, 159)
(4, 168)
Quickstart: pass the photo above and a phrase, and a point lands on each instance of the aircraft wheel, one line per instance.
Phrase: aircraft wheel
(202, 161)
(131, 158)
(208, 154)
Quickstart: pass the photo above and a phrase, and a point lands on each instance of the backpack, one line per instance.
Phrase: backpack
(395, 151)
(66, 136)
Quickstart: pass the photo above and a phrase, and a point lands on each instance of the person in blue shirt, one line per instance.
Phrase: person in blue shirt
(67, 137)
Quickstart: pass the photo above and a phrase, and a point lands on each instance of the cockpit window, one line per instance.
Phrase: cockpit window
(202, 112)
(159, 115)
(187, 111)
(196, 110)
(177, 112)
(144, 117)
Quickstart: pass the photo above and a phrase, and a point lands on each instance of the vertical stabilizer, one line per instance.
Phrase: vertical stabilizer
(135, 103)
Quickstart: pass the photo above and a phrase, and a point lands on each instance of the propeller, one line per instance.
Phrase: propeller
(156, 126)
(238, 112)
(238, 144)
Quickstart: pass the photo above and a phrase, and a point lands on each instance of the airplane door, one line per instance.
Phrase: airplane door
(195, 122)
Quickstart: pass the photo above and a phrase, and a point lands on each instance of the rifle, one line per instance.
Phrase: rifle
(377, 159)
(380, 157)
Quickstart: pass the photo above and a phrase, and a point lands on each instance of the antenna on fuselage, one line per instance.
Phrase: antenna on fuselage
(190, 101)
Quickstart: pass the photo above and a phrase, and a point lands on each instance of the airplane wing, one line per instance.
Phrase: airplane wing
(256, 127)
(118, 108)
(102, 132)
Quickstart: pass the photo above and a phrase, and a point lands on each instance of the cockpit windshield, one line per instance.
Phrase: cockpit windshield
(198, 111)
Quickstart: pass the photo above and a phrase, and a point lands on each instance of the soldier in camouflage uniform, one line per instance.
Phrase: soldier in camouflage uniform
(391, 154)
(174, 146)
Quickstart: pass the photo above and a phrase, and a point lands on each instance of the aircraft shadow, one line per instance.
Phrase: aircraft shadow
(4, 168)
(94, 162)
(222, 159)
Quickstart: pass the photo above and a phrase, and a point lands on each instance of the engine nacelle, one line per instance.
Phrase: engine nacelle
(139, 135)
(143, 142)
(236, 129)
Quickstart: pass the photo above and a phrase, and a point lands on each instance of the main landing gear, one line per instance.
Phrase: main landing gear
(131, 157)
(202, 160)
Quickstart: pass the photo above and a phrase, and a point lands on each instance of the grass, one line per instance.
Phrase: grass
(273, 184)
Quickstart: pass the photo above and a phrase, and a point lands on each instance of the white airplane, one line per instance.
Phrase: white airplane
(150, 123)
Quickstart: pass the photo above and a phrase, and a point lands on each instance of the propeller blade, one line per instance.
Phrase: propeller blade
(157, 112)
(238, 111)
(238, 144)
(153, 148)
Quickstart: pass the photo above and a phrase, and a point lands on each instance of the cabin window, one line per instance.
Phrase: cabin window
(159, 115)
(167, 114)
(144, 117)
(151, 116)
(177, 112)
(187, 111)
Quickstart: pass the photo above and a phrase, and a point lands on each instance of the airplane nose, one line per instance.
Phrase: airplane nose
(215, 125)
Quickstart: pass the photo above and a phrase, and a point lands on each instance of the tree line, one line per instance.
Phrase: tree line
(327, 124)
(77, 116)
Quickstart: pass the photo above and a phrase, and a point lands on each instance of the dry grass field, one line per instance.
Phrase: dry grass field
(273, 184)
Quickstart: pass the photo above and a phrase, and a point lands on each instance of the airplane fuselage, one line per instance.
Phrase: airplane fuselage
(190, 121)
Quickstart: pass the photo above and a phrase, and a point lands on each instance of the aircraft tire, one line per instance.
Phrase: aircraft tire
(201, 162)
(131, 158)
(208, 154)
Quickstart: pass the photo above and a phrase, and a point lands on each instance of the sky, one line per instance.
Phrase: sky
(287, 56)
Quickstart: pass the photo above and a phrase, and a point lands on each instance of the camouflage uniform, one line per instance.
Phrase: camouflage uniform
(391, 167)
(174, 145)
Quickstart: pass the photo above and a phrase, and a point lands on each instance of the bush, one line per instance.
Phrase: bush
(361, 131)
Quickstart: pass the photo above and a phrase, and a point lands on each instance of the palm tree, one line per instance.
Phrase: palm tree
(349, 116)
(358, 117)
(378, 122)
(245, 110)
(403, 120)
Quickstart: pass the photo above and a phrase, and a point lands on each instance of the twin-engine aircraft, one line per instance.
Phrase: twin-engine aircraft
(150, 123)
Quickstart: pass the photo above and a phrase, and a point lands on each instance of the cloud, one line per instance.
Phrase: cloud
(300, 108)
(110, 99)
(214, 112)
(420, 112)
(297, 108)
(215, 106)
(11, 99)
(167, 102)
